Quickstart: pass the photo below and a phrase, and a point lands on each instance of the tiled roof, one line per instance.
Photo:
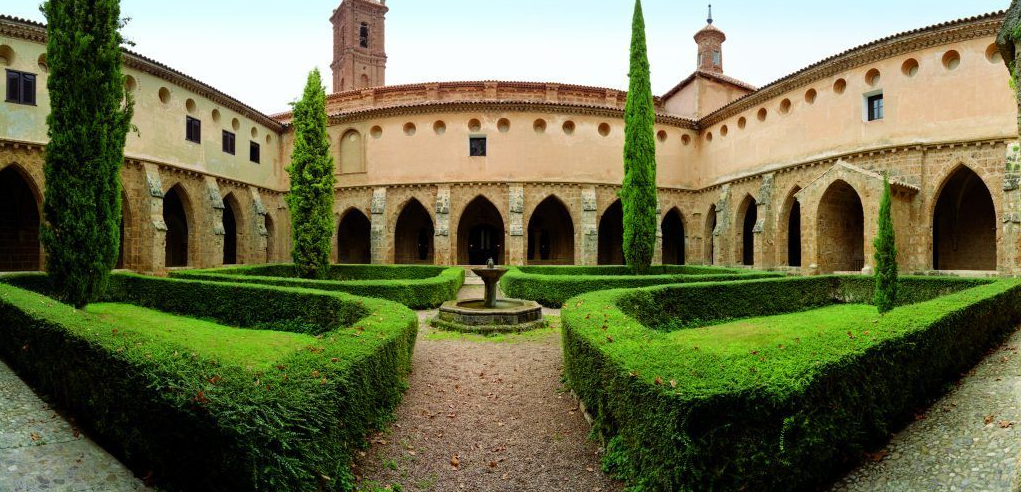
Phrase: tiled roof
(719, 77)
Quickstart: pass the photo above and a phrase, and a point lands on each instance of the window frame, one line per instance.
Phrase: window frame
(472, 139)
(254, 152)
(230, 138)
(22, 79)
(192, 130)
(363, 35)
(869, 113)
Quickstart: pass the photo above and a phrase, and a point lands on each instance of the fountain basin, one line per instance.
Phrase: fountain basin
(506, 316)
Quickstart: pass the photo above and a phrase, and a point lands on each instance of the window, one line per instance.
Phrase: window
(874, 107)
(363, 35)
(228, 142)
(717, 58)
(477, 146)
(20, 87)
(253, 152)
(193, 130)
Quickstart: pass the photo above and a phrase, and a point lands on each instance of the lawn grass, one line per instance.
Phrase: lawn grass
(254, 350)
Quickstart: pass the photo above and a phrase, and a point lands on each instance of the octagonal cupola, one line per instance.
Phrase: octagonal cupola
(710, 46)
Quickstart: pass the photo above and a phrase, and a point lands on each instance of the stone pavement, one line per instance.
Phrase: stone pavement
(969, 441)
(40, 450)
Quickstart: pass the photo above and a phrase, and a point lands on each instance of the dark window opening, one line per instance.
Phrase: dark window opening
(363, 36)
(193, 130)
(717, 58)
(20, 87)
(228, 142)
(875, 107)
(477, 146)
(253, 152)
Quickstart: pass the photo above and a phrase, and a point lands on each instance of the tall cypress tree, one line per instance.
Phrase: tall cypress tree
(638, 194)
(312, 183)
(90, 116)
(886, 254)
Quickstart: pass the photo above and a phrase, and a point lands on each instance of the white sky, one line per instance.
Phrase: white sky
(259, 51)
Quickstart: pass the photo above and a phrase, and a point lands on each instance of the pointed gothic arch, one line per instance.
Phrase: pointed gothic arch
(789, 237)
(964, 223)
(175, 215)
(20, 249)
(840, 229)
(674, 240)
(232, 230)
(354, 238)
(550, 234)
(480, 233)
(611, 235)
(271, 247)
(413, 235)
(747, 216)
(709, 237)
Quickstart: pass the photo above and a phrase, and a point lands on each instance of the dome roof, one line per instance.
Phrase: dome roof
(710, 30)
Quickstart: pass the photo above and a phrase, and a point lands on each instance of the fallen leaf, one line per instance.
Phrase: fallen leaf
(877, 456)
(455, 462)
(1006, 424)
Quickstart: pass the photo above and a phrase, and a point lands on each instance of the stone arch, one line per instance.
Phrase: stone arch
(271, 247)
(789, 235)
(178, 217)
(674, 240)
(352, 152)
(233, 230)
(550, 234)
(413, 235)
(963, 223)
(480, 233)
(125, 251)
(840, 229)
(20, 221)
(709, 238)
(354, 238)
(747, 215)
(611, 235)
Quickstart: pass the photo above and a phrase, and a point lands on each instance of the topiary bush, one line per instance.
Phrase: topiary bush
(418, 287)
(769, 404)
(205, 424)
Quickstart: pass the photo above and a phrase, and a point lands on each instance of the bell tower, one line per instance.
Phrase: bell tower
(359, 53)
(710, 46)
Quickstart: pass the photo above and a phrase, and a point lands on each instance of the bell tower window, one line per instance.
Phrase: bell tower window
(363, 35)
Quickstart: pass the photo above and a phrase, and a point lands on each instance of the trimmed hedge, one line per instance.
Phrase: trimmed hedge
(778, 409)
(415, 286)
(202, 424)
(551, 286)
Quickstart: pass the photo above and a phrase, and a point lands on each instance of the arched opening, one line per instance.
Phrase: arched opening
(841, 230)
(177, 228)
(122, 253)
(789, 247)
(964, 224)
(230, 231)
(480, 233)
(551, 234)
(747, 215)
(270, 237)
(19, 223)
(413, 235)
(611, 235)
(352, 157)
(353, 239)
(673, 238)
(709, 238)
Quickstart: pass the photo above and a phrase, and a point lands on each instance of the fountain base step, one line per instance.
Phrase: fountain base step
(487, 329)
(508, 316)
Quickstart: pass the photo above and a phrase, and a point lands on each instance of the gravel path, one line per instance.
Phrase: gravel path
(968, 441)
(42, 451)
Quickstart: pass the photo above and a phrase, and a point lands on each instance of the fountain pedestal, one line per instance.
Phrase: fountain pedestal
(490, 315)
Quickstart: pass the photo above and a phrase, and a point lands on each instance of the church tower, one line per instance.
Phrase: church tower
(359, 54)
(710, 46)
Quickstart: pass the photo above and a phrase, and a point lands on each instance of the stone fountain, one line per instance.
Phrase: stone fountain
(490, 315)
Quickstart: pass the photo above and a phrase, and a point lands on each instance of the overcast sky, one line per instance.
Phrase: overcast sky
(260, 51)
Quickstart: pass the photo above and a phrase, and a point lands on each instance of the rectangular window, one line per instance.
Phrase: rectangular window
(20, 87)
(477, 146)
(228, 142)
(193, 130)
(363, 35)
(253, 152)
(874, 105)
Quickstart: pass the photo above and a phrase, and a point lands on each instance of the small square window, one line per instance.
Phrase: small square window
(20, 87)
(228, 142)
(193, 129)
(874, 107)
(253, 152)
(477, 146)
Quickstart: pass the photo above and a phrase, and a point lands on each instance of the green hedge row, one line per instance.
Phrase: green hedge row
(415, 286)
(551, 286)
(770, 410)
(673, 307)
(205, 425)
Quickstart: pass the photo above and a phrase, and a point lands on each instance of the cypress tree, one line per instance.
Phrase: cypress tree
(886, 254)
(312, 183)
(638, 194)
(90, 116)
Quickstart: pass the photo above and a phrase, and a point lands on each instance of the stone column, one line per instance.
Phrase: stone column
(765, 241)
(152, 234)
(721, 234)
(379, 238)
(694, 253)
(516, 232)
(260, 235)
(1010, 254)
(441, 242)
(657, 253)
(213, 256)
(589, 228)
